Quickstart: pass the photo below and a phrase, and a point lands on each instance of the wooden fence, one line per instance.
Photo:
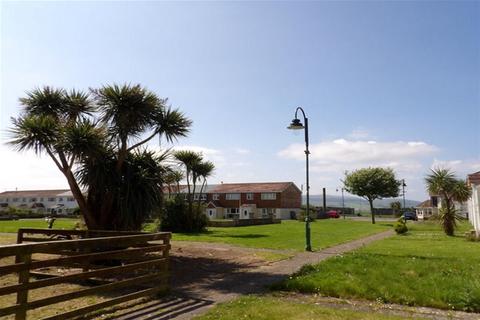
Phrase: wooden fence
(132, 261)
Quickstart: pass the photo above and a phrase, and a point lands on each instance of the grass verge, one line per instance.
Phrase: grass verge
(289, 234)
(276, 308)
(422, 268)
(13, 225)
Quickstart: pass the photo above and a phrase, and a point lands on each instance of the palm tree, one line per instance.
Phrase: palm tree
(101, 155)
(203, 170)
(442, 182)
(395, 206)
(189, 159)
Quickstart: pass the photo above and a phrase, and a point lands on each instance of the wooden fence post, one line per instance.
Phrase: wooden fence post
(23, 278)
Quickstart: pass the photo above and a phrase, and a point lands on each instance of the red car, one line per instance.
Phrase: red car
(333, 214)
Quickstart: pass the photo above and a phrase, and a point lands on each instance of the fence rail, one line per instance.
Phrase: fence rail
(140, 260)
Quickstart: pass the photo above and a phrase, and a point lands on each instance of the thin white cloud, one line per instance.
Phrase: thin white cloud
(359, 134)
(25, 170)
(241, 151)
(347, 152)
(460, 167)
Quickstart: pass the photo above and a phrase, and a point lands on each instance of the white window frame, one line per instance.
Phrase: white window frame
(269, 196)
(250, 196)
(216, 196)
(232, 196)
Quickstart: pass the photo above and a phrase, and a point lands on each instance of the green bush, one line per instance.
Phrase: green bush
(301, 215)
(175, 217)
(400, 226)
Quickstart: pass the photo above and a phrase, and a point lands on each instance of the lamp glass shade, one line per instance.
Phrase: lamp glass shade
(296, 125)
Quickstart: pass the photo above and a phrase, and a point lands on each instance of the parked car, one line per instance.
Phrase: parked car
(333, 214)
(410, 216)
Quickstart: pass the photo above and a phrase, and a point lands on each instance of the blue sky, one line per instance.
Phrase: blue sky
(383, 83)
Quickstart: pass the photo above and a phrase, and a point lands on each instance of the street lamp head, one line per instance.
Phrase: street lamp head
(296, 125)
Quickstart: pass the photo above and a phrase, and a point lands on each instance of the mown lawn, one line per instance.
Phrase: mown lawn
(289, 234)
(274, 308)
(424, 268)
(14, 225)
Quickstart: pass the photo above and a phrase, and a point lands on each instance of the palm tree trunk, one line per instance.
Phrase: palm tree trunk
(90, 220)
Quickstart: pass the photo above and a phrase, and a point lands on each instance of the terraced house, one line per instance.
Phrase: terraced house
(40, 201)
(280, 200)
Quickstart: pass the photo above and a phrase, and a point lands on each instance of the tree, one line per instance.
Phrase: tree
(371, 184)
(97, 141)
(396, 206)
(442, 182)
(196, 170)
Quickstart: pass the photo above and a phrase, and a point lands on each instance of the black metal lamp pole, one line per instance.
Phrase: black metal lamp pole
(403, 188)
(297, 125)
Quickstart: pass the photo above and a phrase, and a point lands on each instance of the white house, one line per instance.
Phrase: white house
(39, 201)
(431, 207)
(474, 202)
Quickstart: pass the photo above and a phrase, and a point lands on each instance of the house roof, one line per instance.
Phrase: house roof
(252, 187)
(474, 178)
(425, 204)
(33, 193)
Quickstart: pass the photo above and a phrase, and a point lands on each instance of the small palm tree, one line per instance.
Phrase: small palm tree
(442, 182)
(396, 206)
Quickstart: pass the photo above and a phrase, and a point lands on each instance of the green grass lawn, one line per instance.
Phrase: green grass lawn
(274, 308)
(289, 234)
(424, 268)
(14, 225)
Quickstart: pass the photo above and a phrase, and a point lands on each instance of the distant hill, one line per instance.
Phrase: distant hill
(357, 202)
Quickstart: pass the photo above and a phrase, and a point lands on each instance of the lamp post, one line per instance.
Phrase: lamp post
(297, 125)
(403, 191)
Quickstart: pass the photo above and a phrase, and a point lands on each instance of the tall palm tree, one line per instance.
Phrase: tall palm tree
(189, 159)
(46, 125)
(104, 151)
(442, 182)
(203, 170)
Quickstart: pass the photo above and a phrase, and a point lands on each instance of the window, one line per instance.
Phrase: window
(216, 196)
(24, 199)
(6, 200)
(51, 199)
(15, 199)
(232, 210)
(249, 196)
(33, 199)
(245, 213)
(232, 196)
(60, 199)
(269, 196)
(210, 213)
(41, 200)
(71, 199)
(1, 200)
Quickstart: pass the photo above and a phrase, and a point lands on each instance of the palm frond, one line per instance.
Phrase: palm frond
(46, 101)
(34, 132)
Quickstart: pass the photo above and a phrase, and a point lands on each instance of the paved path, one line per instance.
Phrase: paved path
(216, 280)
(212, 281)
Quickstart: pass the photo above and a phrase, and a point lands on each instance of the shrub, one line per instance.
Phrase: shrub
(471, 236)
(400, 226)
(301, 215)
(175, 217)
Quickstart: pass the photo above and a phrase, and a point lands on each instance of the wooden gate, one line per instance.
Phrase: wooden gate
(138, 262)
